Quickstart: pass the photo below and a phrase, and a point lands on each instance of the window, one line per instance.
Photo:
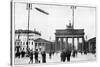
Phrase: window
(35, 44)
(23, 43)
(26, 43)
(32, 43)
(29, 43)
(39, 44)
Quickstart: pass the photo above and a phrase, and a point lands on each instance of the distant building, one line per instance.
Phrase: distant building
(42, 45)
(92, 45)
(22, 39)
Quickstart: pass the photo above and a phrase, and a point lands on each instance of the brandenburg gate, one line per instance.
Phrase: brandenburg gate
(62, 34)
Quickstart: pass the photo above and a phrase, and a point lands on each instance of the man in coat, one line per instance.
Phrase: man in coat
(36, 56)
(68, 54)
(43, 57)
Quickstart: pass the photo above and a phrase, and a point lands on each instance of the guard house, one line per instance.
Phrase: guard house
(62, 34)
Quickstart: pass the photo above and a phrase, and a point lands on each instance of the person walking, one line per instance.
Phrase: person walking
(68, 54)
(50, 54)
(43, 57)
(73, 53)
(36, 56)
(22, 53)
(63, 56)
(31, 57)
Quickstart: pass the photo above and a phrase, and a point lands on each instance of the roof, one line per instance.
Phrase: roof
(27, 31)
(18, 40)
(70, 32)
(42, 40)
(92, 39)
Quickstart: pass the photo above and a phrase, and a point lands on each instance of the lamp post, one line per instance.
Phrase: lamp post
(29, 7)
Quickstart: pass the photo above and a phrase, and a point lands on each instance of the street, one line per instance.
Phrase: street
(56, 58)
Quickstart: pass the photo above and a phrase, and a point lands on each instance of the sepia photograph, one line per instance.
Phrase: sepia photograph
(43, 33)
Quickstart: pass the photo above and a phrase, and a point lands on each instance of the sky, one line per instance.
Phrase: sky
(58, 18)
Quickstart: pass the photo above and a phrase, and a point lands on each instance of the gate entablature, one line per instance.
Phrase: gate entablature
(69, 33)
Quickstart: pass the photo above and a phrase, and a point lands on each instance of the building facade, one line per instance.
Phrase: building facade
(24, 39)
(43, 45)
(92, 45)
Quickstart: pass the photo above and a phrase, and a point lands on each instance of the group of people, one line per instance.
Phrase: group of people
(36, 56)
(20, 54)
(65, 54)
(74, 53)
(50, 54)
(40, 56)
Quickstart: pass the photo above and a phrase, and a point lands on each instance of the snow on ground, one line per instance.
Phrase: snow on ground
(56, 58)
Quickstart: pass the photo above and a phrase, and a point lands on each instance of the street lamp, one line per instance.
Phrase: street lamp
(29, 7)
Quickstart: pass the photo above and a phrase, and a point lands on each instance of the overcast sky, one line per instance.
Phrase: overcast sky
(58, 18)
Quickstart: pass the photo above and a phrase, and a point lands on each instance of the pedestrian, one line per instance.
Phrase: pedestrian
(22, 53)
(36, 56)
(76, 52)
(31, 57)
(63, 56)
(81, 52)
(50, 55)
(85, 52)
(17, 54)
(39, 57)
(53, 52)
(43, 57)
(68, 54)
(73, 53)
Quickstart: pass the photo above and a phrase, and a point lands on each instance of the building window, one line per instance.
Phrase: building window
(35, 44)
(39, 44)
(26, 43)
(23, 43)
(32, 43)
(29, 43)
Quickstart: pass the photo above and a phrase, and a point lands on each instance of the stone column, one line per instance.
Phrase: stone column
(62, 44)
(56, 45)
(89, 47)
(82, 43)
(66, 45)
(38, 45)
(73, 43)
(77, 43)
(35, 45)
